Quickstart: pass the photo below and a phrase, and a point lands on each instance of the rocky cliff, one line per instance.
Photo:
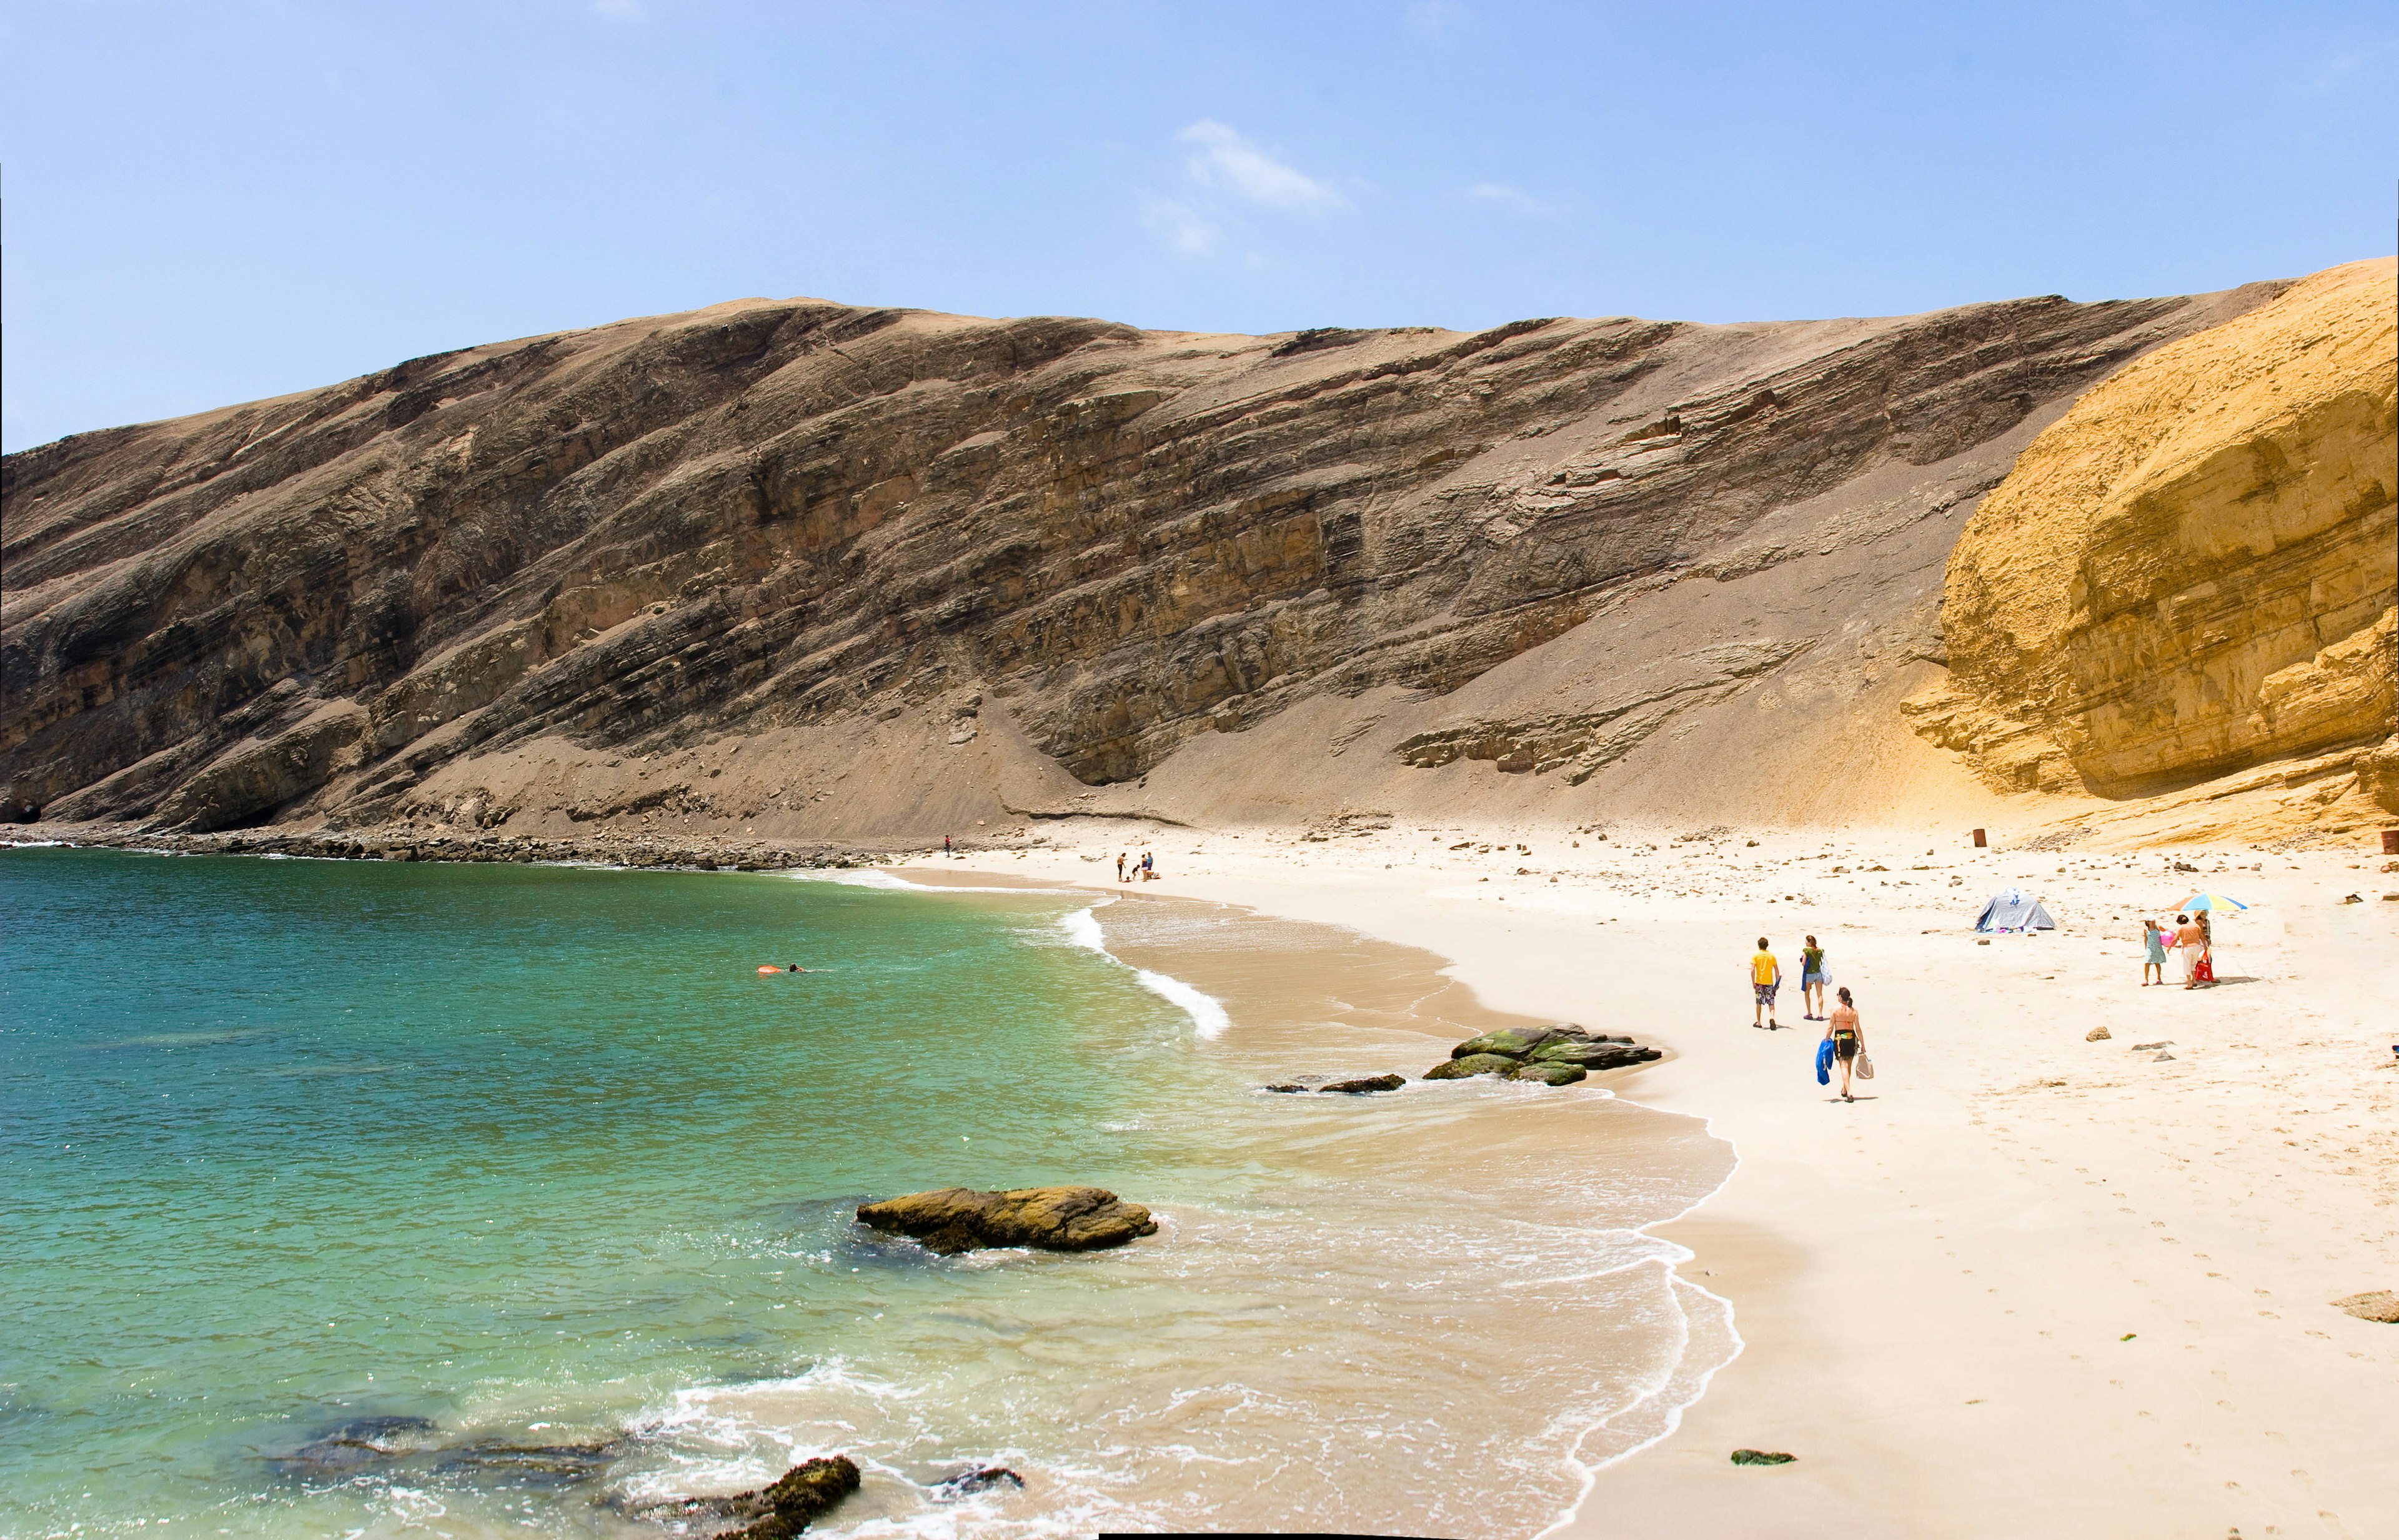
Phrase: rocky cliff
(806, 570)
(2193, 572)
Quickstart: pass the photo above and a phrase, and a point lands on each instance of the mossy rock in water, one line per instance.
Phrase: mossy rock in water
(1512, 1042)
(1548, 1072)
(1472, 1064)
(1366, 1084)
(1761, 1457)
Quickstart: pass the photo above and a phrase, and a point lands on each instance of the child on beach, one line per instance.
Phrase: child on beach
(1848, 1039)
(1766, 977)
(2153, 939)
(1812, 982)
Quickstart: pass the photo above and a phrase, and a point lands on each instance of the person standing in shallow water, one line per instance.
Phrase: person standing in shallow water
(1765, 977)
(1847, 1038)
(1812, 982)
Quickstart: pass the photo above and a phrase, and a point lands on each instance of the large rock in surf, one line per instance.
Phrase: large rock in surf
(1559, 1054)
(797, 1499)
(1055, 1219)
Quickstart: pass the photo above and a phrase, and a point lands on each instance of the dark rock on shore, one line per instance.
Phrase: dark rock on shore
(1761, 1457)
(1055, 1219)
(797, 1499)
(1364, 1085)
(1555, 1055)
(1471, 1065)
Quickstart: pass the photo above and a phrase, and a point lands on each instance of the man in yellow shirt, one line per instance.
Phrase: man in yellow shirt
(1766, 976)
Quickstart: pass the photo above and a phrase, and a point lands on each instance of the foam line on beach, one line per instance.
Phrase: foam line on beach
(1207, 1012)
(1660, 1406)
(886, 883)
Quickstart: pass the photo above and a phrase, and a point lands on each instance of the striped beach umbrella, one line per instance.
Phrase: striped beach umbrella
(2215, 901)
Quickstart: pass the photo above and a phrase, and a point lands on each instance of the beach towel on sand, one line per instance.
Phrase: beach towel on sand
(1824, 1062)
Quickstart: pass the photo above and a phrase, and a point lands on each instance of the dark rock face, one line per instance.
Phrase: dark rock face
(1090, 542)
(1053, 1219)
(1556, 1055)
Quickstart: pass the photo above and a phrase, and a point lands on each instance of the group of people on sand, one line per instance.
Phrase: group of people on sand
(1841, 1028)
(2194, 935)
(1144, 869)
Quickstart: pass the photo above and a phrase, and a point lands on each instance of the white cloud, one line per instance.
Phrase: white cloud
(1436, 19)
(1186, 232)
(1514, 199)
(1226, 161)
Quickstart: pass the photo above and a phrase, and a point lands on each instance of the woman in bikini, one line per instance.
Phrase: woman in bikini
(1849, 1041)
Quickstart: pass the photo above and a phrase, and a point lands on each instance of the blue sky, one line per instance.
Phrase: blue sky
(211, 202)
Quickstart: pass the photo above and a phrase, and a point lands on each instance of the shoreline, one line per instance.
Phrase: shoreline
(2037, 1281)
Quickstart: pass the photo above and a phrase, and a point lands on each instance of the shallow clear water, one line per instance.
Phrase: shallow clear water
(535, 1155)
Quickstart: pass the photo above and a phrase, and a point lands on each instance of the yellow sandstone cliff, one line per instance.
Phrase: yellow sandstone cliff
(2193, 572)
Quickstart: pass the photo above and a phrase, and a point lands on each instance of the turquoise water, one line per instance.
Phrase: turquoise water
(536, 1156)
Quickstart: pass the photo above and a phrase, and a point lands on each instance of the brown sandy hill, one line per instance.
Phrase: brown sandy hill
(809, 571)
(2192, 573)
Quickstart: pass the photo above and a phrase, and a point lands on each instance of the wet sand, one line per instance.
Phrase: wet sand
(2032, 1283)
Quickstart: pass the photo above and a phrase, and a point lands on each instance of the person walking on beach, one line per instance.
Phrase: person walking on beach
(1121, 856)
(1848, 1040)
(1765, 977)
(1812, 982)
(2153, 941)
(945, 845)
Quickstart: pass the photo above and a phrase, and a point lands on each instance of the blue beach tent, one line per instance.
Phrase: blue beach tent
(2012, 911)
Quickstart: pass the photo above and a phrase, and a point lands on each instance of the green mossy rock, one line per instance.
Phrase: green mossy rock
(1471, 1065)
(1548, 1072)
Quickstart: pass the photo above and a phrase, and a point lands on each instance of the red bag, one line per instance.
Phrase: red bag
(2205, 972)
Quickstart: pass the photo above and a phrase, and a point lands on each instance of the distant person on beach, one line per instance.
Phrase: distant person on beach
(1812, 982)
(2187, 942)
(1841, 1029)
(2153, 941)
(1148, 867)
(946, 844)
(1765, 977)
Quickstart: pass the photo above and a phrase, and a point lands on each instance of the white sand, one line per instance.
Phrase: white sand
(1936, 1284)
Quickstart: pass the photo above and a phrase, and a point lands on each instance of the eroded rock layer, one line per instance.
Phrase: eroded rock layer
(2193, 572)
(799, 569)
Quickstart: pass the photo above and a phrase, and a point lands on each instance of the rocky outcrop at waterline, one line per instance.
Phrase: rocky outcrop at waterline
(785, 1507)
(1051, 1218)
(1352, 1084)
(1557, 1055)
(807, 571)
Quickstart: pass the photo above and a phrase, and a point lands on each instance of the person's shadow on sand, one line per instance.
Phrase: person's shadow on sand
(1837, 1100)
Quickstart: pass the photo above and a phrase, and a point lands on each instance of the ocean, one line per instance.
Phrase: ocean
(390, 1199)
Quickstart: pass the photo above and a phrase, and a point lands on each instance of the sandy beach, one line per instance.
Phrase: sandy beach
(2029, 1282)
